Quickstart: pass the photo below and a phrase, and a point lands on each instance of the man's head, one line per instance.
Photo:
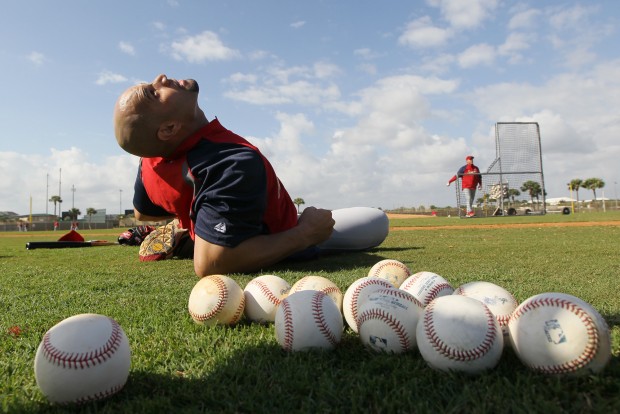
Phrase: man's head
(152, 119)
(469, 159)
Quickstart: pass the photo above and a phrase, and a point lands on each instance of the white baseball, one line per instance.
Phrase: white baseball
(391, 270)
(83, 358)
(457, 333)
(263, 294)
(308, 320)
(557, 333)
(357, 293)
(500, 302)
(387, 321)
(216, 299)
(321, 284)
(426, 286)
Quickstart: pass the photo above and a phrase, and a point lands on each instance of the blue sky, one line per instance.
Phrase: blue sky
(354, 102)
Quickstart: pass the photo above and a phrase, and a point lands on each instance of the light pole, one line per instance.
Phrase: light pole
(72, 196)
(120, 202)
(616, 194)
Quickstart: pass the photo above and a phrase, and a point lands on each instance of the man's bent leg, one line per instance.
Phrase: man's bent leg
(357, 228)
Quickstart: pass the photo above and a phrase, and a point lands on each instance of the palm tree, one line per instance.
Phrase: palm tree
(512, 193)
(593, 184)
(90, 212)
(298, 201)
(74, 213)
(575, 185)
(533, 189)
(56, 200)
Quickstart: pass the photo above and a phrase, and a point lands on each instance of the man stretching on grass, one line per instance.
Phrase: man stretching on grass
(221, 188)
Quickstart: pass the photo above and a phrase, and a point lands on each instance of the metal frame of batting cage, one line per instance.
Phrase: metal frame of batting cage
(518, 159)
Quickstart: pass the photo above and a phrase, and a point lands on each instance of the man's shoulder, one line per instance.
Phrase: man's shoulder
(208, 154)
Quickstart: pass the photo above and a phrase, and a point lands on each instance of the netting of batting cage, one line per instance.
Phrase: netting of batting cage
(514, 182)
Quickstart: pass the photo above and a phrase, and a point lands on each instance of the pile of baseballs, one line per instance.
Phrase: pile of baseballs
(86, 357)
(464, 328)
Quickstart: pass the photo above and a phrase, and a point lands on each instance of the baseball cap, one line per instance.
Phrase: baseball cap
(469, 157)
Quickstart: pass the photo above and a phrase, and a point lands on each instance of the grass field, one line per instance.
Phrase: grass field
(179, 366)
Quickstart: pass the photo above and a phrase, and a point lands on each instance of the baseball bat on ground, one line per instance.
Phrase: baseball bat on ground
(66, 244)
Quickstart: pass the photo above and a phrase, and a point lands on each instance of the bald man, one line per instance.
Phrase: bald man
(220, 187)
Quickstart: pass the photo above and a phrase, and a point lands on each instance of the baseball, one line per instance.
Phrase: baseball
(263, 294)
(500, 302)
(321, 284)
(557, 333)
(391, 270)
(308, 320)
(457, 333)
(426, 286)
(387, 321)
(357, 293)
(83, 358)
(216, 299)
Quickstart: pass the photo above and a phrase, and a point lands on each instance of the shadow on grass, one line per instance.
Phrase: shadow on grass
(263, 378)
(342, 261)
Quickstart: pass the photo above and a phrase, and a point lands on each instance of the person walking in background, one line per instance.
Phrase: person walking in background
(470, 180)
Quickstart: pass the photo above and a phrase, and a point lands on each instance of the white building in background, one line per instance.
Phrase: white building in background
(558, 200)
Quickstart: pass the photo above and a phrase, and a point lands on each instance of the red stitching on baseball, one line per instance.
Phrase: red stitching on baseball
(75, 360)
(593, 339)
(239, 313)
(288, 325)
(455, 354)
(502, 319)
(432, 294)
(222, 296)
(390, 321)
(356, 293)
(262, 286)
(94, 397)
(392, 263)
(401, 294)
(319, 317)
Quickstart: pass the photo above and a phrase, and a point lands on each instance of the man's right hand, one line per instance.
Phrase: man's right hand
(448, 185)
(316, 225)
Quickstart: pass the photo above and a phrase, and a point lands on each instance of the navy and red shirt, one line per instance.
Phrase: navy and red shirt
(470, 176)
(218, 185)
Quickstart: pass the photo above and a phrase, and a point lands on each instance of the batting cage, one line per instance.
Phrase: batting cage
(514, 182)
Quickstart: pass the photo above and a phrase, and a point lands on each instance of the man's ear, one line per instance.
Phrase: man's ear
(168, 130)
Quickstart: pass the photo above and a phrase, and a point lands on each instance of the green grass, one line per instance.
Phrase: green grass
(178, 366)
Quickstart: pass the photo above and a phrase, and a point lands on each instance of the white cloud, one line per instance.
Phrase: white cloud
(159, 26)
(37, 58)
(205, 46)
(127, 48)
(437, 64)
(569, 18)
(480, 54)
(514, 44)
(40, 176)
(106, 77)
(524, 19)
(278, 85)
(298, 24)
(421, 33)
(465, 14)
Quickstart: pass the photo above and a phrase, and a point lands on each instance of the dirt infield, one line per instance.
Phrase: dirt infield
(491, 226)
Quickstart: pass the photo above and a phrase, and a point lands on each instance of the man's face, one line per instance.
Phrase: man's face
(164, 97)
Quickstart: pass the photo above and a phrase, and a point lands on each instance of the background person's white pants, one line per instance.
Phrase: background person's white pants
(470, 194)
